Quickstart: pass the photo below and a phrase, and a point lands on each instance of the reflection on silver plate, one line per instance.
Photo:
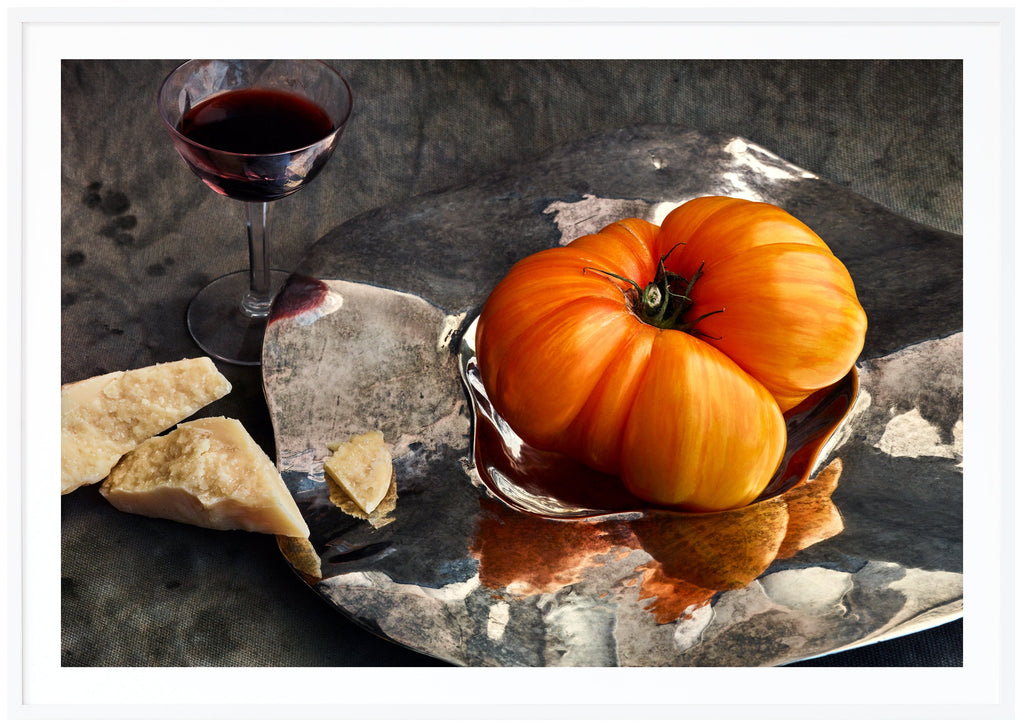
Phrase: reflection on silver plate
(478, 566)
(493, 556)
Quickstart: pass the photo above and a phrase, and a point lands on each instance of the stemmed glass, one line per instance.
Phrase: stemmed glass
(254, 131)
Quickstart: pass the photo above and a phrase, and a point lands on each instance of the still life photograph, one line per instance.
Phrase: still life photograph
(535, 363)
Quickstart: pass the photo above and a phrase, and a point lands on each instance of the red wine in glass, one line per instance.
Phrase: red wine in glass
(254, 131)
(253, 121)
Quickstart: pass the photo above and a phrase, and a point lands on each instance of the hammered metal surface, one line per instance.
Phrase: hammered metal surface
(869, 548)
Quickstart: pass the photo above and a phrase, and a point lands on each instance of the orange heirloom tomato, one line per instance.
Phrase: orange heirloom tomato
(667, 355)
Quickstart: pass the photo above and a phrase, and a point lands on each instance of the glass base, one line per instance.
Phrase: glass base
(220, 326)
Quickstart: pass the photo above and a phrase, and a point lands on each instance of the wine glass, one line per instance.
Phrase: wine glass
(254, 131)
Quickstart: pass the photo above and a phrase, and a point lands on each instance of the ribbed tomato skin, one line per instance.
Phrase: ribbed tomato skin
(723, 433)
(692, 420)
(790, 312)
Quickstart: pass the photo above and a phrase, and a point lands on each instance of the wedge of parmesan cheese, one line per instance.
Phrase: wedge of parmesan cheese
(207, 472)
(105, 417)
(362, 468)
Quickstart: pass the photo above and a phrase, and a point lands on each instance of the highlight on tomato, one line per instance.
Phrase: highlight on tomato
(667, 355)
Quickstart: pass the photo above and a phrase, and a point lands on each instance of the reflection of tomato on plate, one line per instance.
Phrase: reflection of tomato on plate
(693, 556)
(529, 555)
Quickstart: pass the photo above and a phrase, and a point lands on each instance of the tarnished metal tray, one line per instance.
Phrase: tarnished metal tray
(491, 556)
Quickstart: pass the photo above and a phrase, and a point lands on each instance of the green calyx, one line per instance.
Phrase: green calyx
(664, 302)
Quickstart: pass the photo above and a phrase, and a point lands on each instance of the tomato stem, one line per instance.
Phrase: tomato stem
(659, 303)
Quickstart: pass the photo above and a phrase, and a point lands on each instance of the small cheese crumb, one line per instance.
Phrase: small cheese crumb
(303, 557)
(362, 468)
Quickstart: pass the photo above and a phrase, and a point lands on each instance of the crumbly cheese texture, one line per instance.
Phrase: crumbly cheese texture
(209, 473)
(362, 468)
(105, 417)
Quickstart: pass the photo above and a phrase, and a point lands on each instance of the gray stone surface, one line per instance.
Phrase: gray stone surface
(140, 234)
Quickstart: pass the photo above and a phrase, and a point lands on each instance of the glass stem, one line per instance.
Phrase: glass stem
(256, 302)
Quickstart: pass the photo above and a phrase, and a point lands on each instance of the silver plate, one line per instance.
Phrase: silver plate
(477, 565)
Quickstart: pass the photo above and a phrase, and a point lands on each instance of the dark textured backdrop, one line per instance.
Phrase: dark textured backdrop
(139, 233)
